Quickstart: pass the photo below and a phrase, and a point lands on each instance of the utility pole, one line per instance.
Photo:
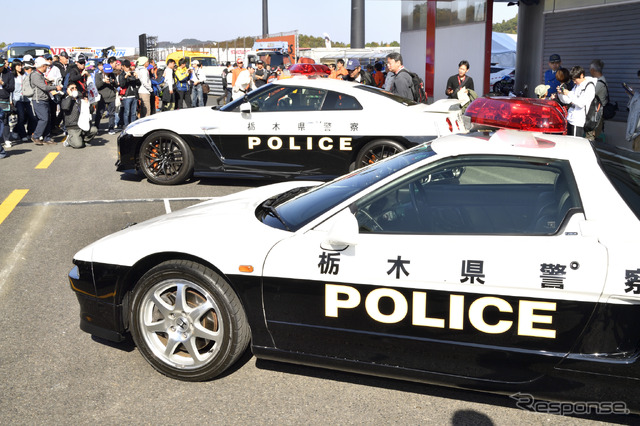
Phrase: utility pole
(265, 18)
(357, 24)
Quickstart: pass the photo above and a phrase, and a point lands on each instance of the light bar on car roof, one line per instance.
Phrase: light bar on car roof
(532, 115)
(310, 69)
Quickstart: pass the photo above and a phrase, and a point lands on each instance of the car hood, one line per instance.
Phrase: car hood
(183, 121)
(223, 231)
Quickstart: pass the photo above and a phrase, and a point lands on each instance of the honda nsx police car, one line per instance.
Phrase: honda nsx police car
(503, 261)
(295, 128)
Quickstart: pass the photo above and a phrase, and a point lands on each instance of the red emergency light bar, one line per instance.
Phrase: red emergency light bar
(310, 69)
(533, 115)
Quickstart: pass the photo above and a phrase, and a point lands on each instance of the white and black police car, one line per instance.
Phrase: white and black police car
(293, 128)
(503, 261)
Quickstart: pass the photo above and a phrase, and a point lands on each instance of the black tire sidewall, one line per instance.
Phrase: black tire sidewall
(219, 290)
(187, 166)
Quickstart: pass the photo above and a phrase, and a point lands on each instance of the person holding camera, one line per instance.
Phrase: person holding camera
(106, 85)
(129, 83)
(197, 78)
(71, 107)
(579, 98)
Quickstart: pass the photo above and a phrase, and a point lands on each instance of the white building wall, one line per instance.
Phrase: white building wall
(413, 50)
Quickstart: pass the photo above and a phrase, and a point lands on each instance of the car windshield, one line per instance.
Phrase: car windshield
(21, 51)
(206, 62)
(293, 213)
(386, 94)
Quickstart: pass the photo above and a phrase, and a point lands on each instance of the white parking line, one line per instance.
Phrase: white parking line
(167, 206)
(123, 201)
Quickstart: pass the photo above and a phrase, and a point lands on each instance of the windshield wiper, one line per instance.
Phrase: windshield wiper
(273, 212)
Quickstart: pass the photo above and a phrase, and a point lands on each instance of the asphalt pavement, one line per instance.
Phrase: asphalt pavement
(53, 373)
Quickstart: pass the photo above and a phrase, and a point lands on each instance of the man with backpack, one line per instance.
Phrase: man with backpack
(580, 98)
(602, 92)
(402, 82)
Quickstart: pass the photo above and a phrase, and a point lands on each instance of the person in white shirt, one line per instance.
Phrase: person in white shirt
(145, 90)
(168, 98)
(244, 83)
(197, 78)
(580, 98)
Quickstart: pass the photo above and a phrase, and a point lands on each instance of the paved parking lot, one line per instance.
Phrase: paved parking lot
(53, 373)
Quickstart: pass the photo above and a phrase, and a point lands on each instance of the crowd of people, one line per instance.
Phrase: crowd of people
(51, 96)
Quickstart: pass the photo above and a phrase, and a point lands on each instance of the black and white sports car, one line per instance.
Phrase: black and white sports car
(503, 262)
(294, 128)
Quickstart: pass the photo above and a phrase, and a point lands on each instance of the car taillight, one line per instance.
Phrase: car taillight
(450, 124)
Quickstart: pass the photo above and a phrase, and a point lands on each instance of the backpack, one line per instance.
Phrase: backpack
(594, 113)
(610, 108)
(27, 88)
(417, 87)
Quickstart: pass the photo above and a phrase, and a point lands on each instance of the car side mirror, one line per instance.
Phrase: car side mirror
(245, 108)
(343, 231)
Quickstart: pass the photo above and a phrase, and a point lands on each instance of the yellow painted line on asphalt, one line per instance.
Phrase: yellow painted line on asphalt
(46, 162)
(11, 202)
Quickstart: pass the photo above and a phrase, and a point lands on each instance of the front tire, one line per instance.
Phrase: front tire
(165, 159)
(377, 150)
(187, 322)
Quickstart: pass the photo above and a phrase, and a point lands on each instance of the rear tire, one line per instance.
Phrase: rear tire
(165, 159)
(377, 150)
(187, 322)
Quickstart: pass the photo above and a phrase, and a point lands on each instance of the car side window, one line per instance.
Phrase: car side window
(339, 101)
(474, 195)
(287, 98)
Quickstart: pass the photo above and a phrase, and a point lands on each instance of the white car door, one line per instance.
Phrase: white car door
(474, 268)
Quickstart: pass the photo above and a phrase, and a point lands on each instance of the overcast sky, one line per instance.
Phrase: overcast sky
(117, 22)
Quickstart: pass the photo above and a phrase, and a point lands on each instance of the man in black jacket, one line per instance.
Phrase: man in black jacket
(70, 107)
(106, 85)
(129, 83)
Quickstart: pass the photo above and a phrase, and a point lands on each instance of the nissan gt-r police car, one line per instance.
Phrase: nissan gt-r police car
(503, 261)
(295, 128)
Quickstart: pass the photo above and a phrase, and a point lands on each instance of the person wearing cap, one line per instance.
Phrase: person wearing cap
(555, 63)
(541, 91)
(7, 85)
(236, 72)
(145, 90)
(261, 75)
(40, 102)
(106, 85)
(61, 63)
(197, 79)
(357, 74)
(398, 82)
(78, 74)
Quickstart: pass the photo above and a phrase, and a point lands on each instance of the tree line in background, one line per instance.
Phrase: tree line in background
(509, 27)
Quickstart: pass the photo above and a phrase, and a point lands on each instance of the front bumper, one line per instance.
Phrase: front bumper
(100, 312)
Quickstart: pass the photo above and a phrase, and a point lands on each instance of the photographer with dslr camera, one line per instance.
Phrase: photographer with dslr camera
(106, 85)
(129, 83)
